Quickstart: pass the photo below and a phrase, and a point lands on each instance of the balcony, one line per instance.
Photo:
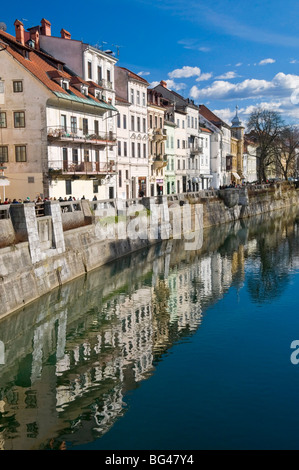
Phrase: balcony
(159, 134)
(59, 169)
(60, 134)
(195, 150)
(159, 161)
(105, 84)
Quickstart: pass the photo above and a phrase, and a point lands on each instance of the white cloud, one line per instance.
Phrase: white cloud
(294, 61)
(171, 85)
(204, 76)
(228, 75)
(143, 73)
(281, 86)
(192, 44)
(175, 86)
(239, 64)
(185, 72)
(267, 61)
(225, 114)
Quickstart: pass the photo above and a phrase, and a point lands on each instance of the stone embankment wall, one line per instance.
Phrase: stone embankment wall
(38, 254)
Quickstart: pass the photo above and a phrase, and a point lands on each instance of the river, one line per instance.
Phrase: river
(163, 349)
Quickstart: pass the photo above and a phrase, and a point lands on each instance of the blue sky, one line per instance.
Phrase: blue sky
(220, 53)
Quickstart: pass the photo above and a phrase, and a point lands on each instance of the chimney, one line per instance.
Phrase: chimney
(45, 27)
(65, 34)
(20, 32)
(164, 84)
(34, 36)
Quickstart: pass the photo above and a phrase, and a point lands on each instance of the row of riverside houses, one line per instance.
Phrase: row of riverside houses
(74, 123)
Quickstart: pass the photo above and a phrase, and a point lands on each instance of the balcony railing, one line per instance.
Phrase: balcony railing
(77, 135)
(160, 134)
(106, 84)
(195, 149)
(59, 169)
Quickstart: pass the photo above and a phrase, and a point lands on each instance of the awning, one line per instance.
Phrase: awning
(90, 101)
(236, 175)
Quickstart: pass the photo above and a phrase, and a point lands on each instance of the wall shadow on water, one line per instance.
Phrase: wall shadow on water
(68, 359)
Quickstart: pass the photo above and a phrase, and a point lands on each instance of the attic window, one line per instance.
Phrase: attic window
(65, 84)
(60, 67)
(84, 90)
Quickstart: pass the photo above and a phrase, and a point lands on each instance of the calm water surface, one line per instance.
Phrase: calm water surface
(164, 349)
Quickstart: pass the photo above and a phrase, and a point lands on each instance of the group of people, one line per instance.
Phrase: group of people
(38, 199)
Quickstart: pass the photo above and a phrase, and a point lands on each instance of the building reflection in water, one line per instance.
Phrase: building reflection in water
(68, 360)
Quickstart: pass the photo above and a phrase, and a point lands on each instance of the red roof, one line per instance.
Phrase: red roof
(135, 76)
(43, 66)
(210, 116)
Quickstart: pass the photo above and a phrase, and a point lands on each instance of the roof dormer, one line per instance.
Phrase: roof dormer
(80, 85)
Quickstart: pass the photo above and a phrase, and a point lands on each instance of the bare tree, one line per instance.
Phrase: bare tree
(287, 151)
(265, 126)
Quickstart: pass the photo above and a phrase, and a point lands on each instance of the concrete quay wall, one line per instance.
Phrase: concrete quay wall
(39, 254)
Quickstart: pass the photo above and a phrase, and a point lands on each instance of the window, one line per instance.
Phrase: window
(63, 121)
(89, 71)
(139, 150)
(19, 119)
(124, 121)
(96, 127)
(3, 154)
(156, 122)
(132, 96)
(65, 159)
(138, 97)
(21, 153)
(144, 125)
(68, 186)
(97, 156)
(17, 86)
(73, 124)
(179, 165)
(95, 188)
(143, 99)
(183, 124)
(86, 155)
(108, 76)
(178, 122)
(1, 86)
(151, 121)
(144, 150)
(118, 121)
(30, 179)
(133, 149)
(178, 143)
(3, 122)
(161, 123)
(75, 156)
(138, 124)
(99, 74)
(85, 126)
(127, 174)
(132, 123)
(119, 148)
(119, 179)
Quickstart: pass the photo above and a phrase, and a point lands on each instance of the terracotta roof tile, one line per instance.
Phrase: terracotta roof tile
(41, 65)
